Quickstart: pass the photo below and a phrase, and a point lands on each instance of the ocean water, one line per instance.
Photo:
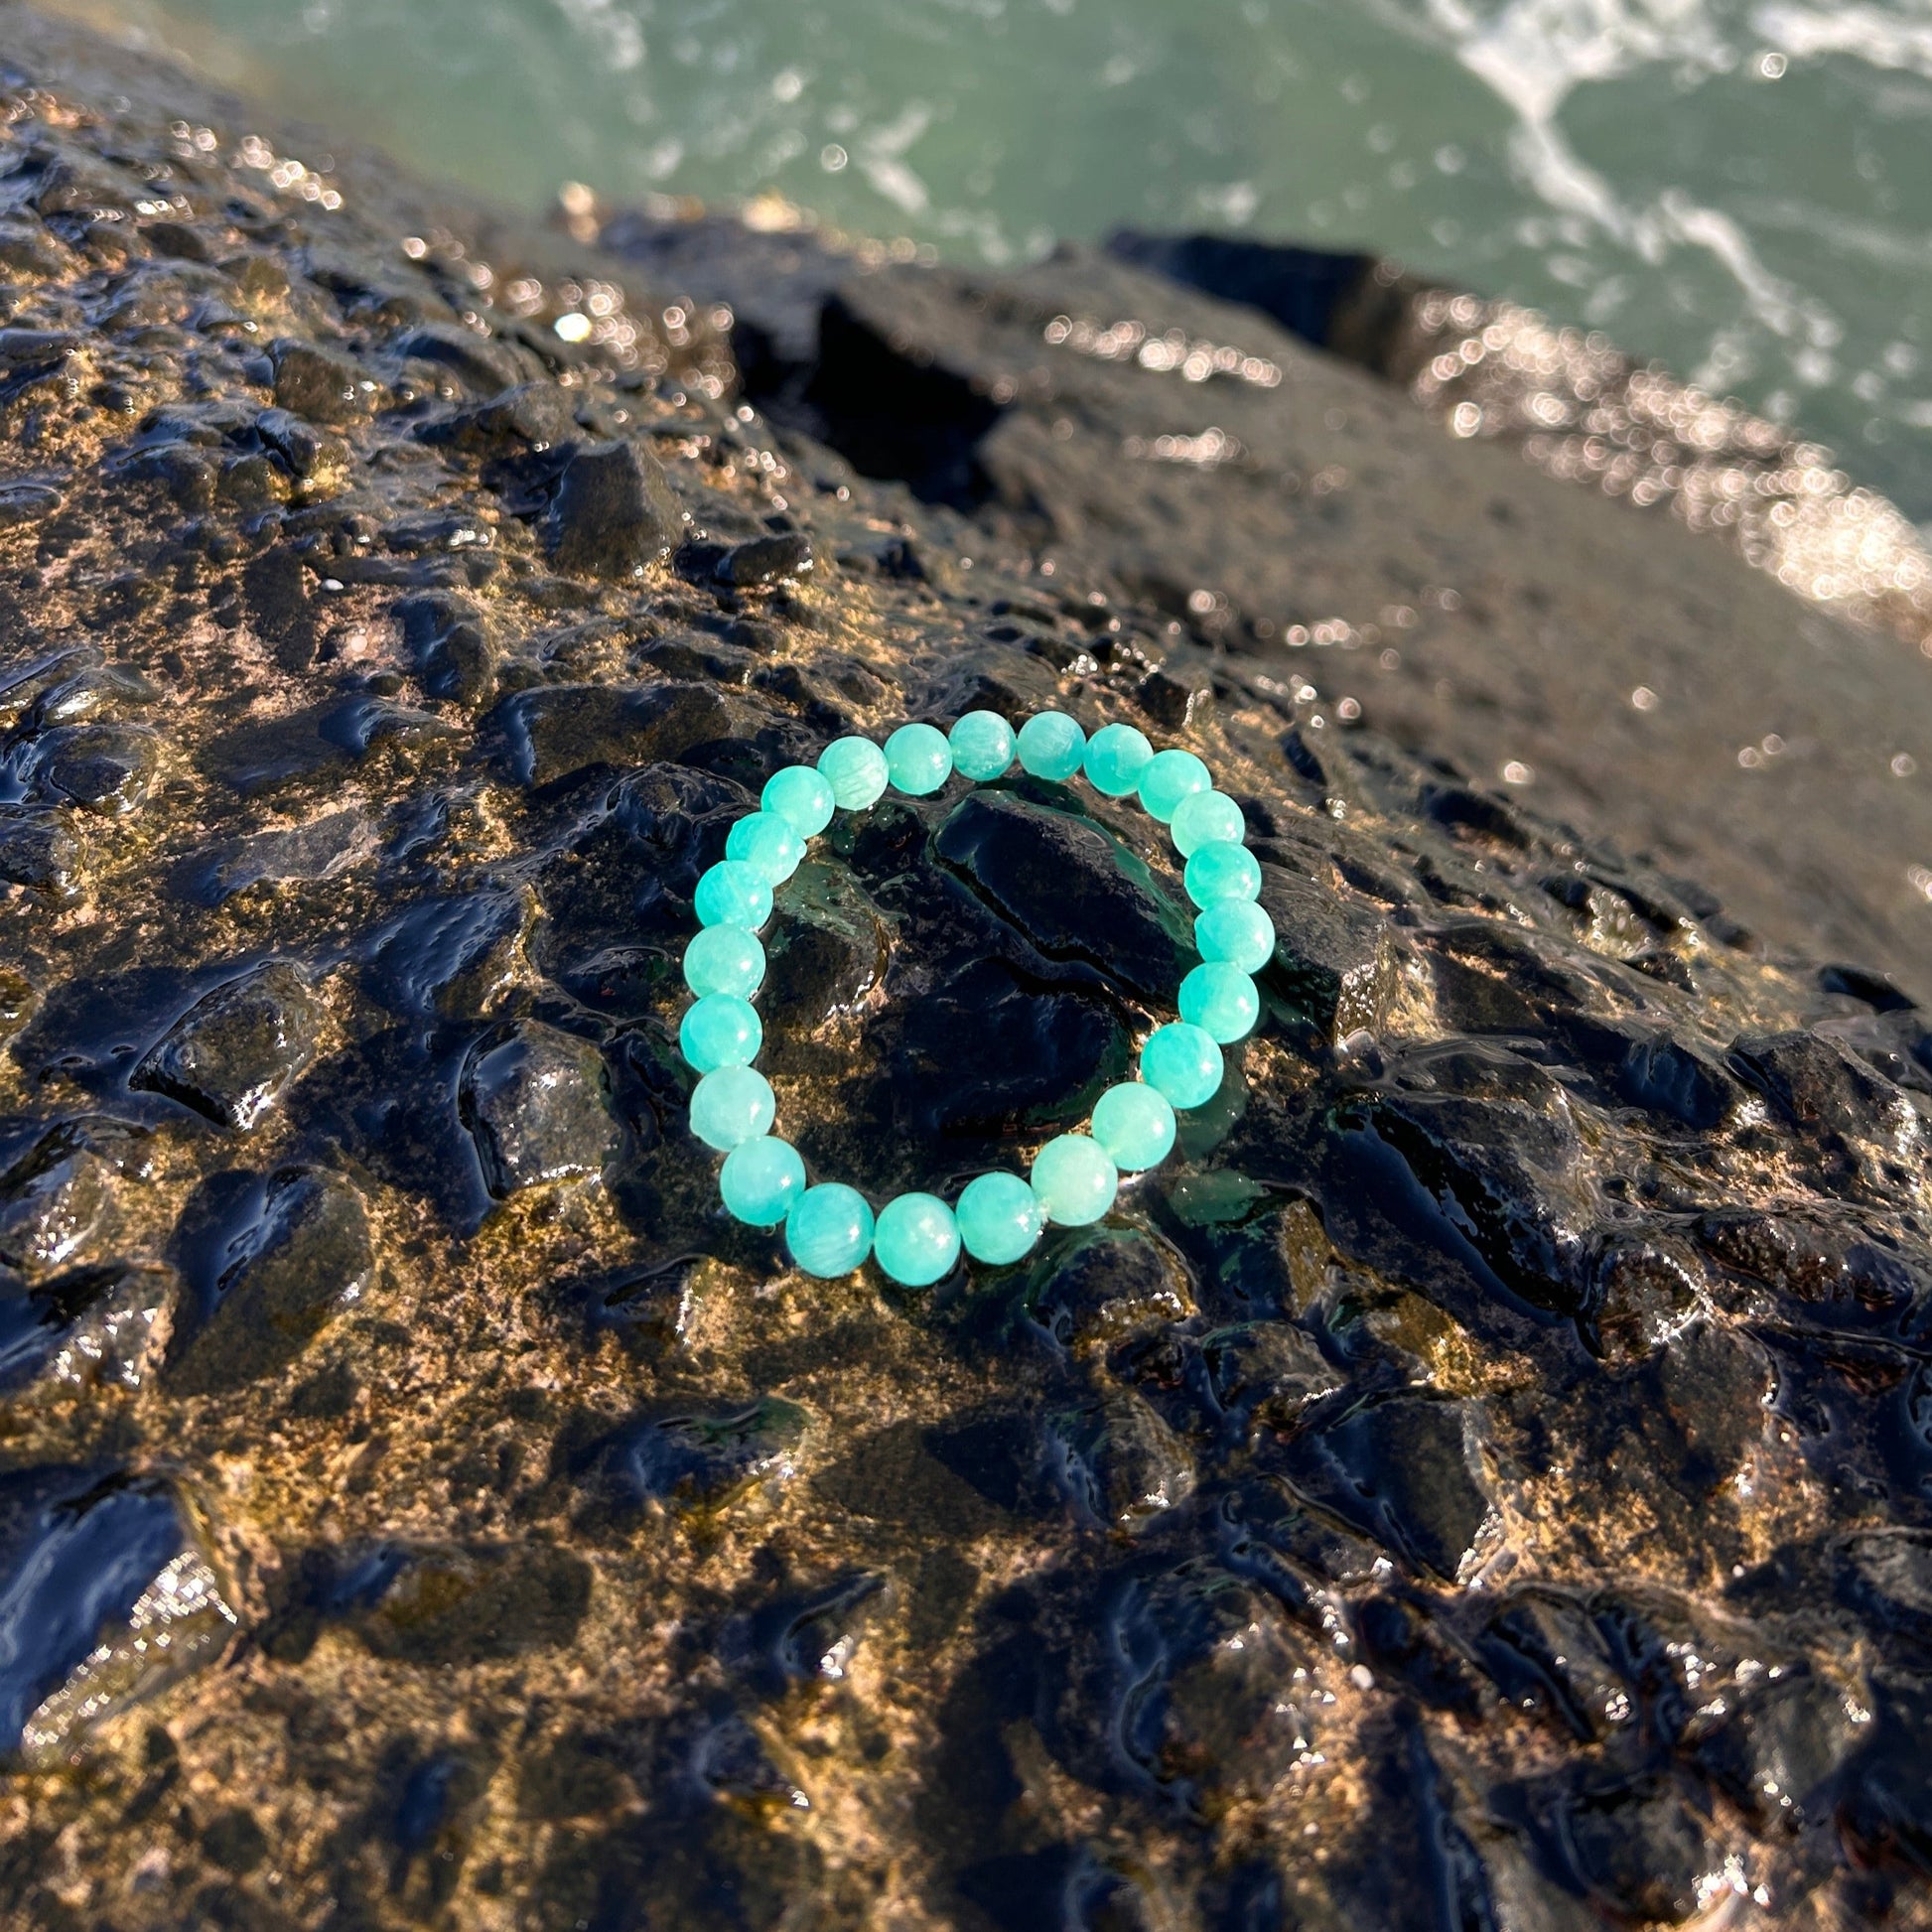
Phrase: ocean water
(1738, 189)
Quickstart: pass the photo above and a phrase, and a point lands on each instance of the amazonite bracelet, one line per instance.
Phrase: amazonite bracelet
(1074, 1179)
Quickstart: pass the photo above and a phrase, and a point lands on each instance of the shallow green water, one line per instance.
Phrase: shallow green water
(1741, 188)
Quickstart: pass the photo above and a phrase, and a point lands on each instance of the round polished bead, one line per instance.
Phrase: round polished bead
(768, 844)
(1050, 746)
(732, 1105)
(982, 746)
(1115, 756)
(732, 893)
(855, 768)
(1203, 818)
(917, 1240)
(1134, 1126)
(1237, 930)
(1221, 871)
(1000, 1218)
(1221, 1001)
(829, 1230)
(1183, 1063)
(761, 1179)
(800, 796)
(724, 959)
(1075, 1180)
(720, 1030)
(918, 759)
(1170, 777)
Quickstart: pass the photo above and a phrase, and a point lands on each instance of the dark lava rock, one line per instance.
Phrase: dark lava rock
(56, 1201)
(1483, 1479)
(1107, 1285)
(106, 769)
(448, 638)
(615, 512)
(304, 1255)
(109, 1601)
(1119, 1463)
(1335, 963)
(234, 1053)
(319, 384)
(556, 732)
(1065, 883)
(1406, 1471)
(534, 1103)
(766, 560)
(694, 1462)
(92, 1327)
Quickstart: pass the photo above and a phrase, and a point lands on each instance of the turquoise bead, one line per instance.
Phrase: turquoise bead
(917, 1240)
(800, 796)
(1183, 1063)
(1075, 1180)
(724, 959)
(829, 1230)
(768, 844)
(1221, 1001)
(1221, 871)
(732, 893)
(1000, 1218)
(1050, 746)
(1237, 930)
(1204, 818)
(720, 1030)
(1134, 1126)
(918, 759)
(732, 1105)
(1115, 756)
(761, 1179)
(982, 746)
(855, 768)
(1170, 777)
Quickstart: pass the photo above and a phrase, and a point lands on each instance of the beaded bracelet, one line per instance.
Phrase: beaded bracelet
(917, 1238)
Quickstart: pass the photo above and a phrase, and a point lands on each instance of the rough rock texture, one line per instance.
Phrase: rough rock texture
(1485, 1480)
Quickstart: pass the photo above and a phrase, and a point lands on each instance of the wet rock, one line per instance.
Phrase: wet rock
(37, 851)
(532, 416)
(811, 1636)
(318, 850)
(1641, 1849)
(26, 502)
(485, 365)
(55, 1204)
(764, 560)
(824, 958)
(1107, 1285)
(554, 733)
(234, 1053)
(303, 1255)
(1118, 1464)
(1776, 1751)
(1545, 1646)
(457, 1606)
(1266, 1374)
(449, 640)
(458, 956)
(109, 1599)
(1065, 883)
(694, 1463)
(95, 1327)
(111, 770)
(1819, 1087)
(615, 512)
(536, 1105)
(1209, 1704)
(1891, 1573)
(1335, 963)
(1406, 1471)
(319, 385)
